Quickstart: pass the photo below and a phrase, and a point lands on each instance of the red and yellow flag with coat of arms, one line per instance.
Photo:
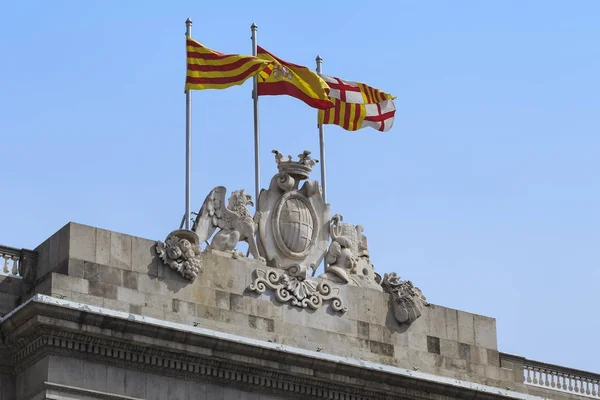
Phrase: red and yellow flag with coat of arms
(284, 78)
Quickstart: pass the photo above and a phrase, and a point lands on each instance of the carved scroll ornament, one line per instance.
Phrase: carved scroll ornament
(292, 286)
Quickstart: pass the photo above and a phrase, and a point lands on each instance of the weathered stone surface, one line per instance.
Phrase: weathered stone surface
(464, 352)
(103, 246)
(485, 332)
(117, 271)
(82, 242)
(143, 256)
(437, 321)
(69, 283)
(466, 328)
(104, 290)
(32, 376)
(120, 250)
(433, 344)
(451, 324)
(131, 296)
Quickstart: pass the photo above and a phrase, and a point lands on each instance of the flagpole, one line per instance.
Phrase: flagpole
(188, 139)
(254, 28)
(319, 61)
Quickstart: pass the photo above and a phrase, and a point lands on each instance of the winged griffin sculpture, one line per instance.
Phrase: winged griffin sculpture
(181, 249)
(233, 220)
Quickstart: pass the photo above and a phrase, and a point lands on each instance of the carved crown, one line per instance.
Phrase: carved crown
(300, 169)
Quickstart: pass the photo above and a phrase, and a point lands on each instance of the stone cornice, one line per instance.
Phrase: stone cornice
(215, 357)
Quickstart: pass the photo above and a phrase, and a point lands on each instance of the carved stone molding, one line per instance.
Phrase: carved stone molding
(45, 326)
(292, 286)
(53, 341)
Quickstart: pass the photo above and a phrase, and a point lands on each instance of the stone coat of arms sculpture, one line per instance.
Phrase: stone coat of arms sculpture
(290, 232)
(292, 219)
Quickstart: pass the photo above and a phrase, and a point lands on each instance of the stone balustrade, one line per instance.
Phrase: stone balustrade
(555, 377)
(12, 260)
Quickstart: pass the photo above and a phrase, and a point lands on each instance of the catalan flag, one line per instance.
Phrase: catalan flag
(357, 106)
(292, 80)
(208, 69)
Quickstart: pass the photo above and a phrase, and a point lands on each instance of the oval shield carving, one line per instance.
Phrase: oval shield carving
(295, 225)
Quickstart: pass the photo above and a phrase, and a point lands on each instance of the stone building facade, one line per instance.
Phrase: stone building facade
(95, 314)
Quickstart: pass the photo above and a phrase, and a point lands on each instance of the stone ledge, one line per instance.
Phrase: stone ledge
(370, 378)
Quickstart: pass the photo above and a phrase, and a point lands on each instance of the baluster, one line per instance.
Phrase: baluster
(587, 387)
(553, 379)
(559, 381)
(594, 388)
(15, 268)
(577, 385)
(547, 381)
(529, 371)
(6, 259)
(535, 376)
(570, 383)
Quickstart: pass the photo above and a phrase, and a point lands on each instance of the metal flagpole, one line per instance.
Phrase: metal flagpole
(319, 61)
(322, 142)
(254, 28)
(188, 139)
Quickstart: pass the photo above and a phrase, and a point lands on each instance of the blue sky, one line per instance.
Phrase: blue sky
(485, 193)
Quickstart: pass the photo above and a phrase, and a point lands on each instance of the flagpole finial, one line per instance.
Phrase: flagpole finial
(319, 61)
(188, 22)
(253, 27)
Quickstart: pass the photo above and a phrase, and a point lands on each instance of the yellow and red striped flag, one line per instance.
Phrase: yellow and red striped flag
(208, 69)
(292, 80)
(357, 106)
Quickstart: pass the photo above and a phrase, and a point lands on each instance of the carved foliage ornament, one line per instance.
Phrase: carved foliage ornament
(407, 300)
(293, 287)
(181, 252)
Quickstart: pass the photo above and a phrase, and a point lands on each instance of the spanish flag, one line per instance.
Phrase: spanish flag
(208, 69)
(292, 80)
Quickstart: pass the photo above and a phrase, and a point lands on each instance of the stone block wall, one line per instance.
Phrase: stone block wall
(10, 293)
(121, 272)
